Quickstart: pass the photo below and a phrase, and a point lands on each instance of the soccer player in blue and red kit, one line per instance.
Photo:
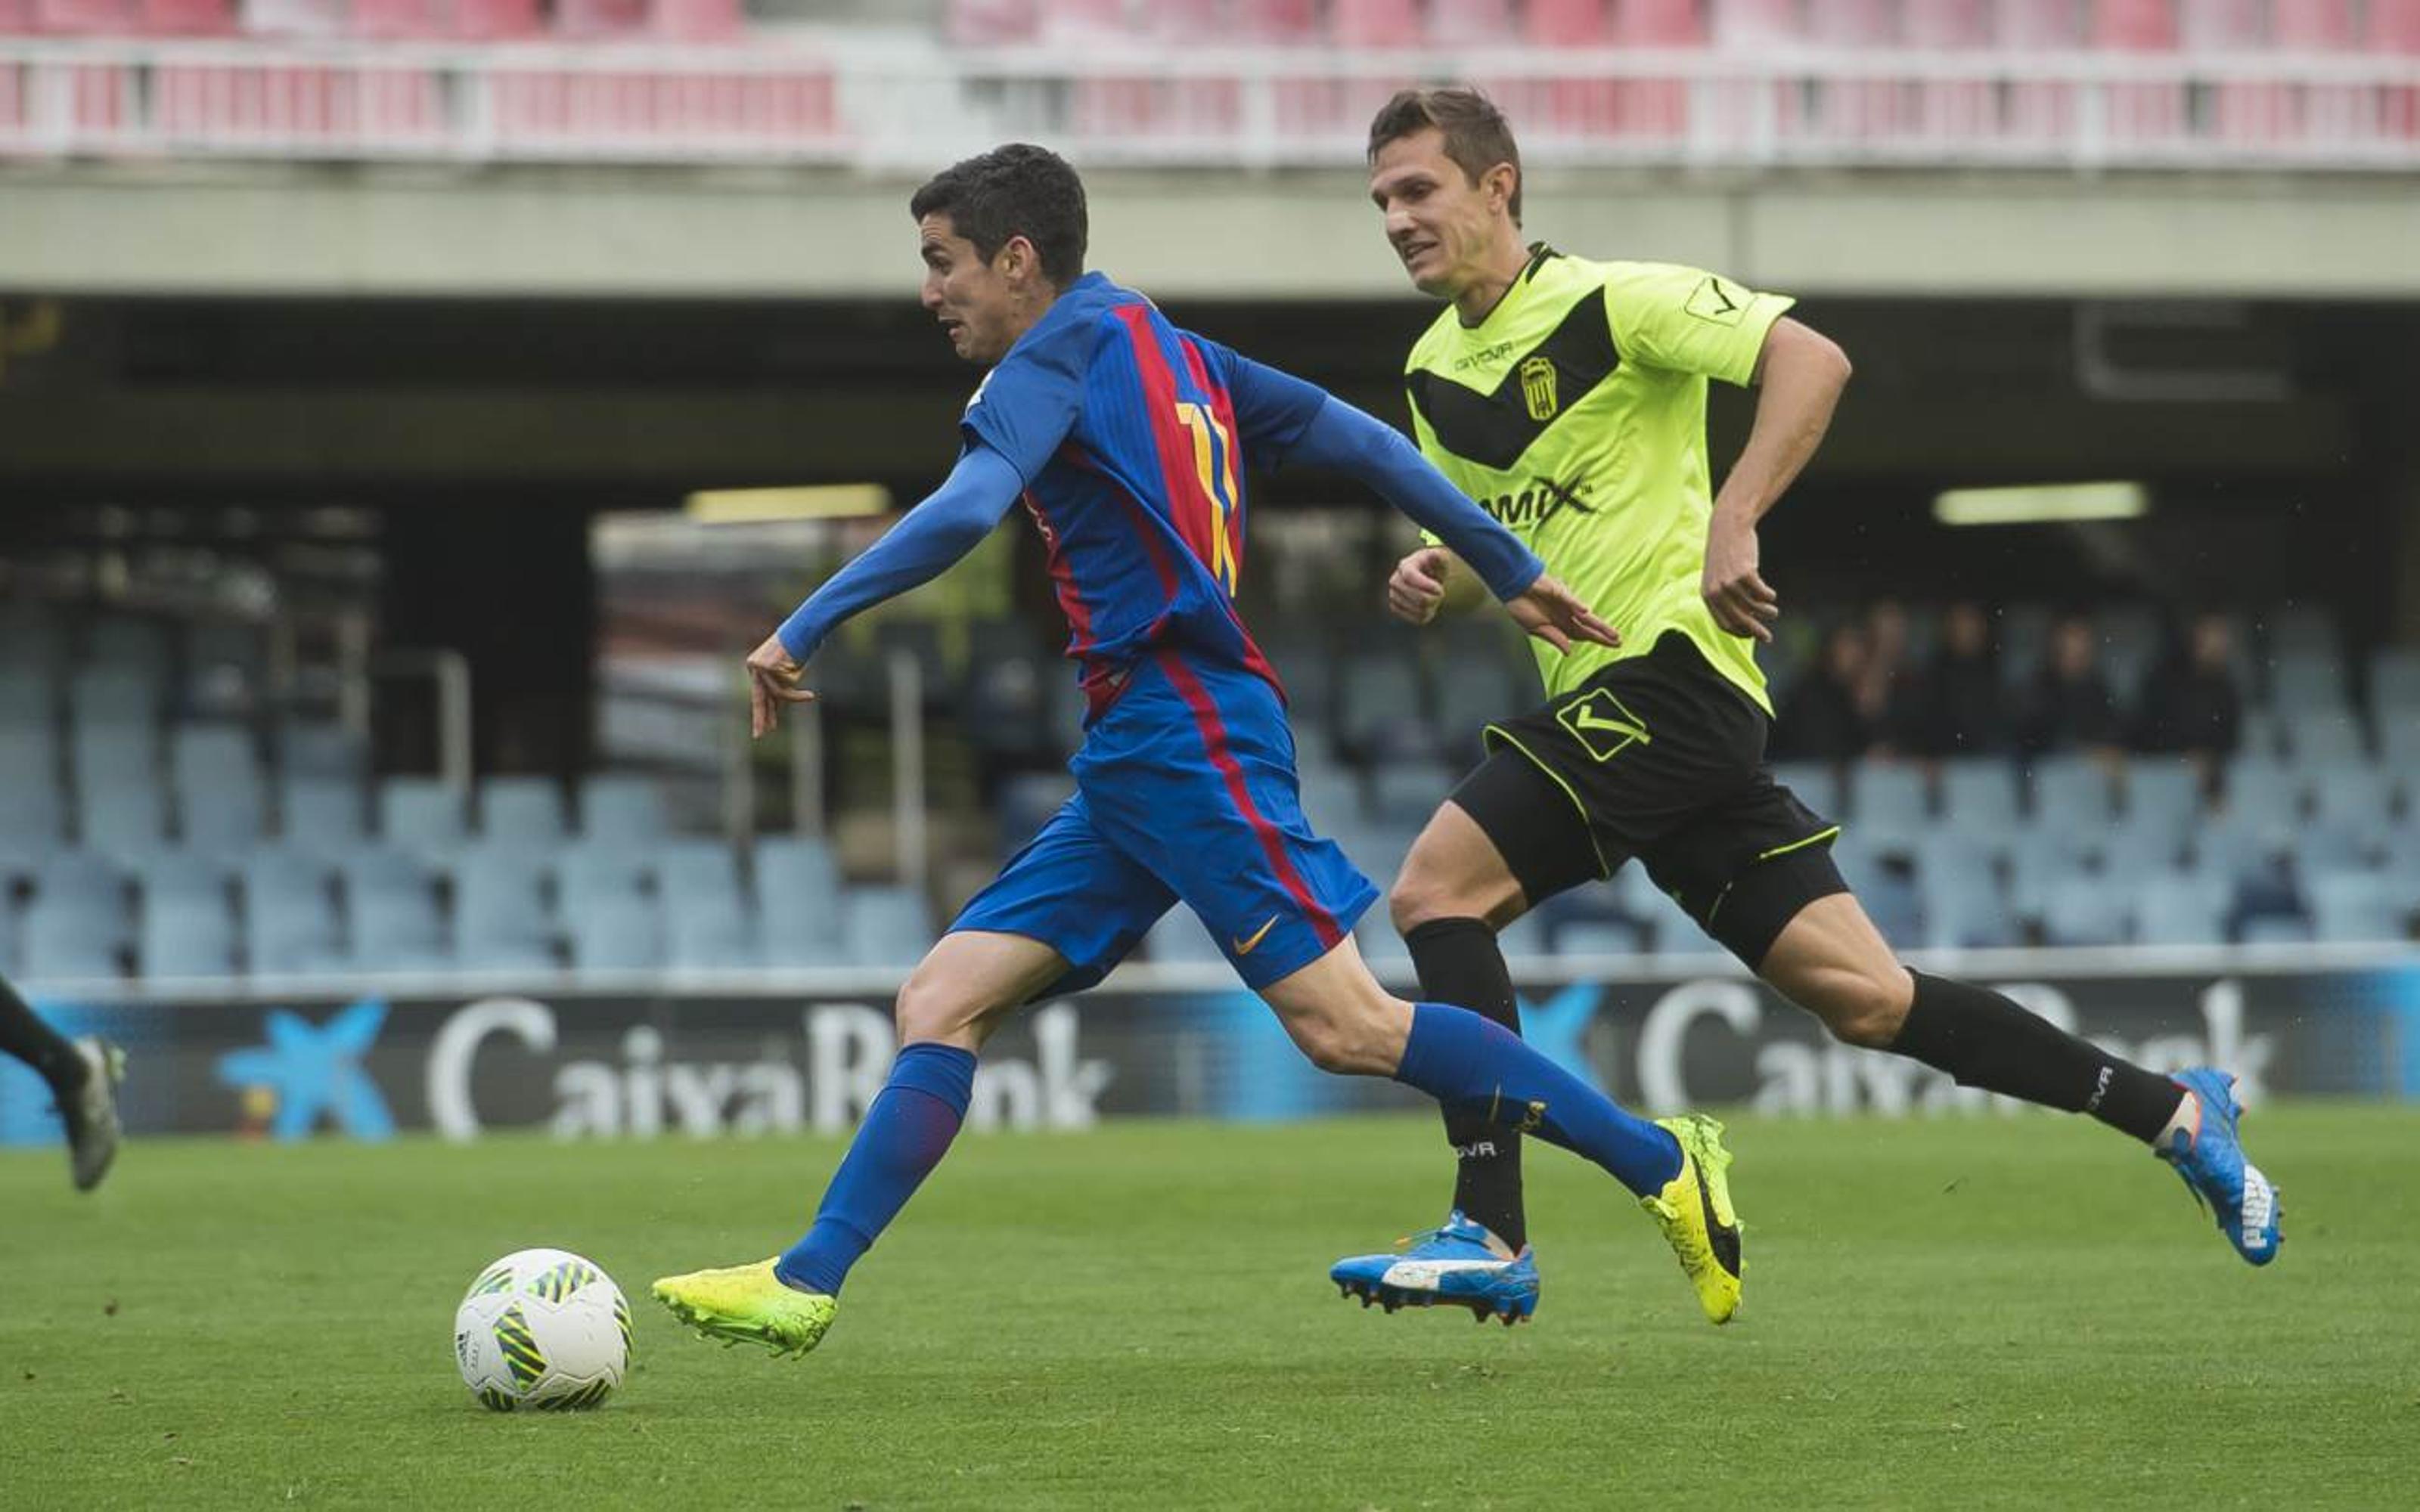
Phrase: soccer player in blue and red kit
(1125, 438)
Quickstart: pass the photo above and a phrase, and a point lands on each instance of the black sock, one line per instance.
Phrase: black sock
(1459, 963)
(24, 1035)
(1985, 1040)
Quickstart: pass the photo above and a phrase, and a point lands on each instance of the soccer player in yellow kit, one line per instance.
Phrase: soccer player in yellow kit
(1568, 397)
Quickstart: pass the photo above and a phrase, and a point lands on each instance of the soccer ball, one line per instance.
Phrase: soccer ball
(542, 1328)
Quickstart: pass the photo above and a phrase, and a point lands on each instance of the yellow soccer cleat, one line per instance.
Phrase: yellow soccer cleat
(1694, 1209)
(748, 1305)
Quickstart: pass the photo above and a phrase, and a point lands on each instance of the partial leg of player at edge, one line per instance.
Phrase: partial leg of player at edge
(84, 1076)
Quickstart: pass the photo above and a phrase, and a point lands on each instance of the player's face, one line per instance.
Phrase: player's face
(975, 303)
(1440, 224)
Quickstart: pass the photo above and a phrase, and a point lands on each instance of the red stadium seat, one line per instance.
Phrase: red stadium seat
(394, 21)
(2043, 112)
(1080, 20)
(496, 20)
(1763, 28)
(2394, 27)
(184, 18)
(85, 18)
(601, 18)
(1856, 110)
(15, 19)
(1470, 22)
(1375, 23)
(1952, 110)
(2140, 113)
(1569, 106)
(697, 21)
(1283, 22)
(991, 23)
(1657, 108)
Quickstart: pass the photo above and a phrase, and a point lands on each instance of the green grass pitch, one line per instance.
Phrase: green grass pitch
(2019, 1311)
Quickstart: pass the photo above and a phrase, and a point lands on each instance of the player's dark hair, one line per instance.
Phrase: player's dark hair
(1014, 191)
(1476, 137)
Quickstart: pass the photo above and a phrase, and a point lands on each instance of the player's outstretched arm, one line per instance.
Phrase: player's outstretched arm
(951, 522)
(1800, 374)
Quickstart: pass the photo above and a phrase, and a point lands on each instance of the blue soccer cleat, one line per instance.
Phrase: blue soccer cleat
(1461, 1263)
(2211, 1161)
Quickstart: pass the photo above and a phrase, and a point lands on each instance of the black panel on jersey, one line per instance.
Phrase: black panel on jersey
(1493, 429)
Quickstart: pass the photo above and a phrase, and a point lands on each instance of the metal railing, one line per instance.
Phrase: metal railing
(874, 102)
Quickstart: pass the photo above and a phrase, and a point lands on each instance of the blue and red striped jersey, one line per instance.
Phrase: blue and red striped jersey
(1130, 435)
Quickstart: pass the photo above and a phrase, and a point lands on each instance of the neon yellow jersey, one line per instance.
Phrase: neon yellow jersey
(1575, 414)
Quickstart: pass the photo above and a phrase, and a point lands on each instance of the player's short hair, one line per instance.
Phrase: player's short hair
(1476, 137)
(1020, 189)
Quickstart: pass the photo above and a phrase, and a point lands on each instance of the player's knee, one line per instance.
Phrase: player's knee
(929, 1009)
(1866, 1008)
(1416, 899)
(1342, 1044)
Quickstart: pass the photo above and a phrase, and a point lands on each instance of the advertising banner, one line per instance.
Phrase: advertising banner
(582, 1064)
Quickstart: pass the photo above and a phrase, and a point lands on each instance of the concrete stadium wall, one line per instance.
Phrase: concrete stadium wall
(130, 228)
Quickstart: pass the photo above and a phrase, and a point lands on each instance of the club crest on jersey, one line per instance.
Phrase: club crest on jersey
(1538, 388)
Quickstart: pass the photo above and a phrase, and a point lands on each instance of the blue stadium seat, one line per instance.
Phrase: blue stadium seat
(123, 695)
(2354, 795)
(70, 938)
(2087, 908)
(1027, 802)
(885, 926)
(2398, 739)
(2395, 681)
(1815, 783)
(2139, 847)
(501, 922)
(597, 873)
(31, 813)
(526, 810)
(321, 750)
(2181, 908)
(289, 919)
(1622, 937)
(2355, 908)
(188, 929)
(1378, 712)
(2326, 738)
(123, 818)
(626, 807)
(2278, 928)
(1332, 799)
(1979, 792)
(396, 927)
(89, 877)
(624, 934)
(1404, 795)
(707, 923)
(422, 814)
(221, 801)
(27, 695)
(2307, 684)
(322, 814)
(1965, 911)
(1524, 938)
(799, 901)
(125, 640)
(2263, 792)
(1886, 800)
(2163, 792)
(2072, 791)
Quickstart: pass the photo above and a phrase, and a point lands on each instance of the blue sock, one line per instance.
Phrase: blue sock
(1473, 1065)
(906, 1132)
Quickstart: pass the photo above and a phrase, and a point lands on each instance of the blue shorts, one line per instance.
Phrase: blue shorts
(1184, 791)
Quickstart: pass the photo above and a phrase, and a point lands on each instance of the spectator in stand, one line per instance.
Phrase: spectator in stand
(1958, 708)
(2070, 706)
(1886, 685)
(2191, 703)
(1821, 720)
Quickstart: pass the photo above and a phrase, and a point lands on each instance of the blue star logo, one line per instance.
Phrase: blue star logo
(315, 1069)
(1558, 1027)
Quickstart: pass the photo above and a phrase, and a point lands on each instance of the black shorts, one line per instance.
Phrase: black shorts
(1664, 760)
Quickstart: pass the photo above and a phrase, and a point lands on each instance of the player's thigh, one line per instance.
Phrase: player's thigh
(1072, 889)
(968, 983)
(1830, 960)
(1340, 1015)
(1508, 838)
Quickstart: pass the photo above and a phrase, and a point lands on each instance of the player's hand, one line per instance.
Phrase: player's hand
(772, 681)
(1557, 616)
(1741, 602)
(1417, 591)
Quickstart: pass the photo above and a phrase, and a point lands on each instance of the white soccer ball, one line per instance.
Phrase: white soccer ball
(542, 1328)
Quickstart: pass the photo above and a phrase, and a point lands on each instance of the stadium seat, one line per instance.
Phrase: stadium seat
(320, 749)
(2139, 113)
(2398, 740)
(122, 817)
(1355, 24)
(392, 901)
(1028, 801)
(1886, 800)
(2306, 681)
(31, 813)
(2354, 795)
(1406, 793)
(707, 924)
(2073, 792)
(2276, 928)
(526, 810)
(885, 926)
(618, 935)
(2181, 908)
(2325, 736)
(1979, 792)
(2395, 681)
(290, 923)
(28, 695)
(2086, 908)
(1284, 23)
(987, 23)
(2391, 28)
(322, 814)
(222, 803)
(188, 929)
(1614, 937)
(2164, 792)
(1378, 710)
(590, 874)
(70, 939)
(1951, 110)
(2355, 907)
(628, 807)
(799, 901)
(184, 18)
(501, 922)
(423, 814)
(1965, 911)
